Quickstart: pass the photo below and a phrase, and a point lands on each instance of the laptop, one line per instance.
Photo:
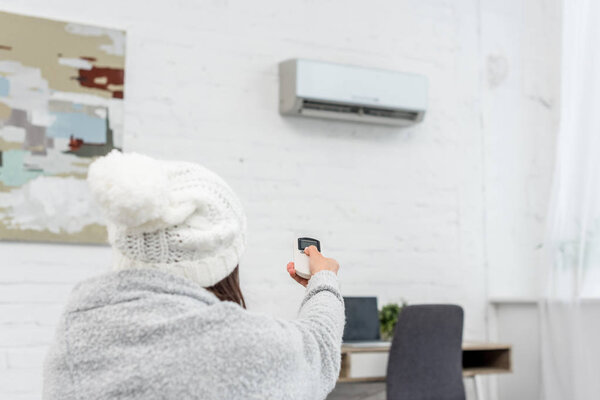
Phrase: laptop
(362, 323)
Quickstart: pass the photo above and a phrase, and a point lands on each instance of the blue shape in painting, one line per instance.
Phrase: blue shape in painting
(80, 125)
(4, 87)
(13, 171)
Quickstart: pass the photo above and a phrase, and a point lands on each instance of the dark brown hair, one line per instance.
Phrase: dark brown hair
(228, 289)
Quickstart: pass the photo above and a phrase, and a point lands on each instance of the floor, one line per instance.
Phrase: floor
(358, 391)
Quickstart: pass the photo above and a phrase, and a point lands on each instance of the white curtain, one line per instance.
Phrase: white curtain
(570, 306)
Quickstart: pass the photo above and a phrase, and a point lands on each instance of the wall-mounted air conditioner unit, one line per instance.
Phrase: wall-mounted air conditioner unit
(324, 90)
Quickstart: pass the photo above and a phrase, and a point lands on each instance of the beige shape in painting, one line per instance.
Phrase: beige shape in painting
(41, 43)
(4, 111)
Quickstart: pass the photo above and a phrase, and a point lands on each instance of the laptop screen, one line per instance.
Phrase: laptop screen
(362, 319)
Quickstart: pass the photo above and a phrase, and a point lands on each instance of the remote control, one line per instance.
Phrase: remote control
(300, 259)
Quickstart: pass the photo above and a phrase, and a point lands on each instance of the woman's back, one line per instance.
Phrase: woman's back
(144, 334)
(170, 322)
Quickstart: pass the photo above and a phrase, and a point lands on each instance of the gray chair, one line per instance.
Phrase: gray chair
(425, 360)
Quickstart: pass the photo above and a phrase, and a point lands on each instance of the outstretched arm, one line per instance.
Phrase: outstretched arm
(321, 318)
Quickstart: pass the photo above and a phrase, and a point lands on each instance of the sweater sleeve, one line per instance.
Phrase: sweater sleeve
(321, 322)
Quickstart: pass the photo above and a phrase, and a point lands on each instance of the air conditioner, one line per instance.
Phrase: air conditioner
(325, 90)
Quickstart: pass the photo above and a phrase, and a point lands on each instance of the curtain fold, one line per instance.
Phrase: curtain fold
(570, 305)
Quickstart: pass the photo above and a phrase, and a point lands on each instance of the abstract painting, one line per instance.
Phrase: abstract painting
(61, 106)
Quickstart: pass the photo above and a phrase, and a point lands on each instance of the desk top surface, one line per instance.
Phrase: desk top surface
(385, 347)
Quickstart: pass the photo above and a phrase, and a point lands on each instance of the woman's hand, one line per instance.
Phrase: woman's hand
(316, 263)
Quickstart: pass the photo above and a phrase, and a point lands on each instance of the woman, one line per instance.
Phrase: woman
(170, 321)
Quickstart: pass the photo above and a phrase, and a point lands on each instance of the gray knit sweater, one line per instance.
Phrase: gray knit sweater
(146, 334)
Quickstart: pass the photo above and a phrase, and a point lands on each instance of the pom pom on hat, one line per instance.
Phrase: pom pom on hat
(131, 188)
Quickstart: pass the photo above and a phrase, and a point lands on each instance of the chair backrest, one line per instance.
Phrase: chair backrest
(425, 360)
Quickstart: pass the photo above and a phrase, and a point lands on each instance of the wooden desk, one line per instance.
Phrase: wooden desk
(478, 358)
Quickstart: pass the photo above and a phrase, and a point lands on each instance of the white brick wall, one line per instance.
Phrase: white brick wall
(521, 56)
(401, 209)
(35, 280)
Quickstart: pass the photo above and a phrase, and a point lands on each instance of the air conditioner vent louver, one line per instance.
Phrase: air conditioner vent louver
(359, 110)
(396, 114)
(331, 107)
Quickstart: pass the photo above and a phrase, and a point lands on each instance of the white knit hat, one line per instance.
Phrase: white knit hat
(171, 215)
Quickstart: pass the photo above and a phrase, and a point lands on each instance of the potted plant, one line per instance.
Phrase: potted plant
(388, 316)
